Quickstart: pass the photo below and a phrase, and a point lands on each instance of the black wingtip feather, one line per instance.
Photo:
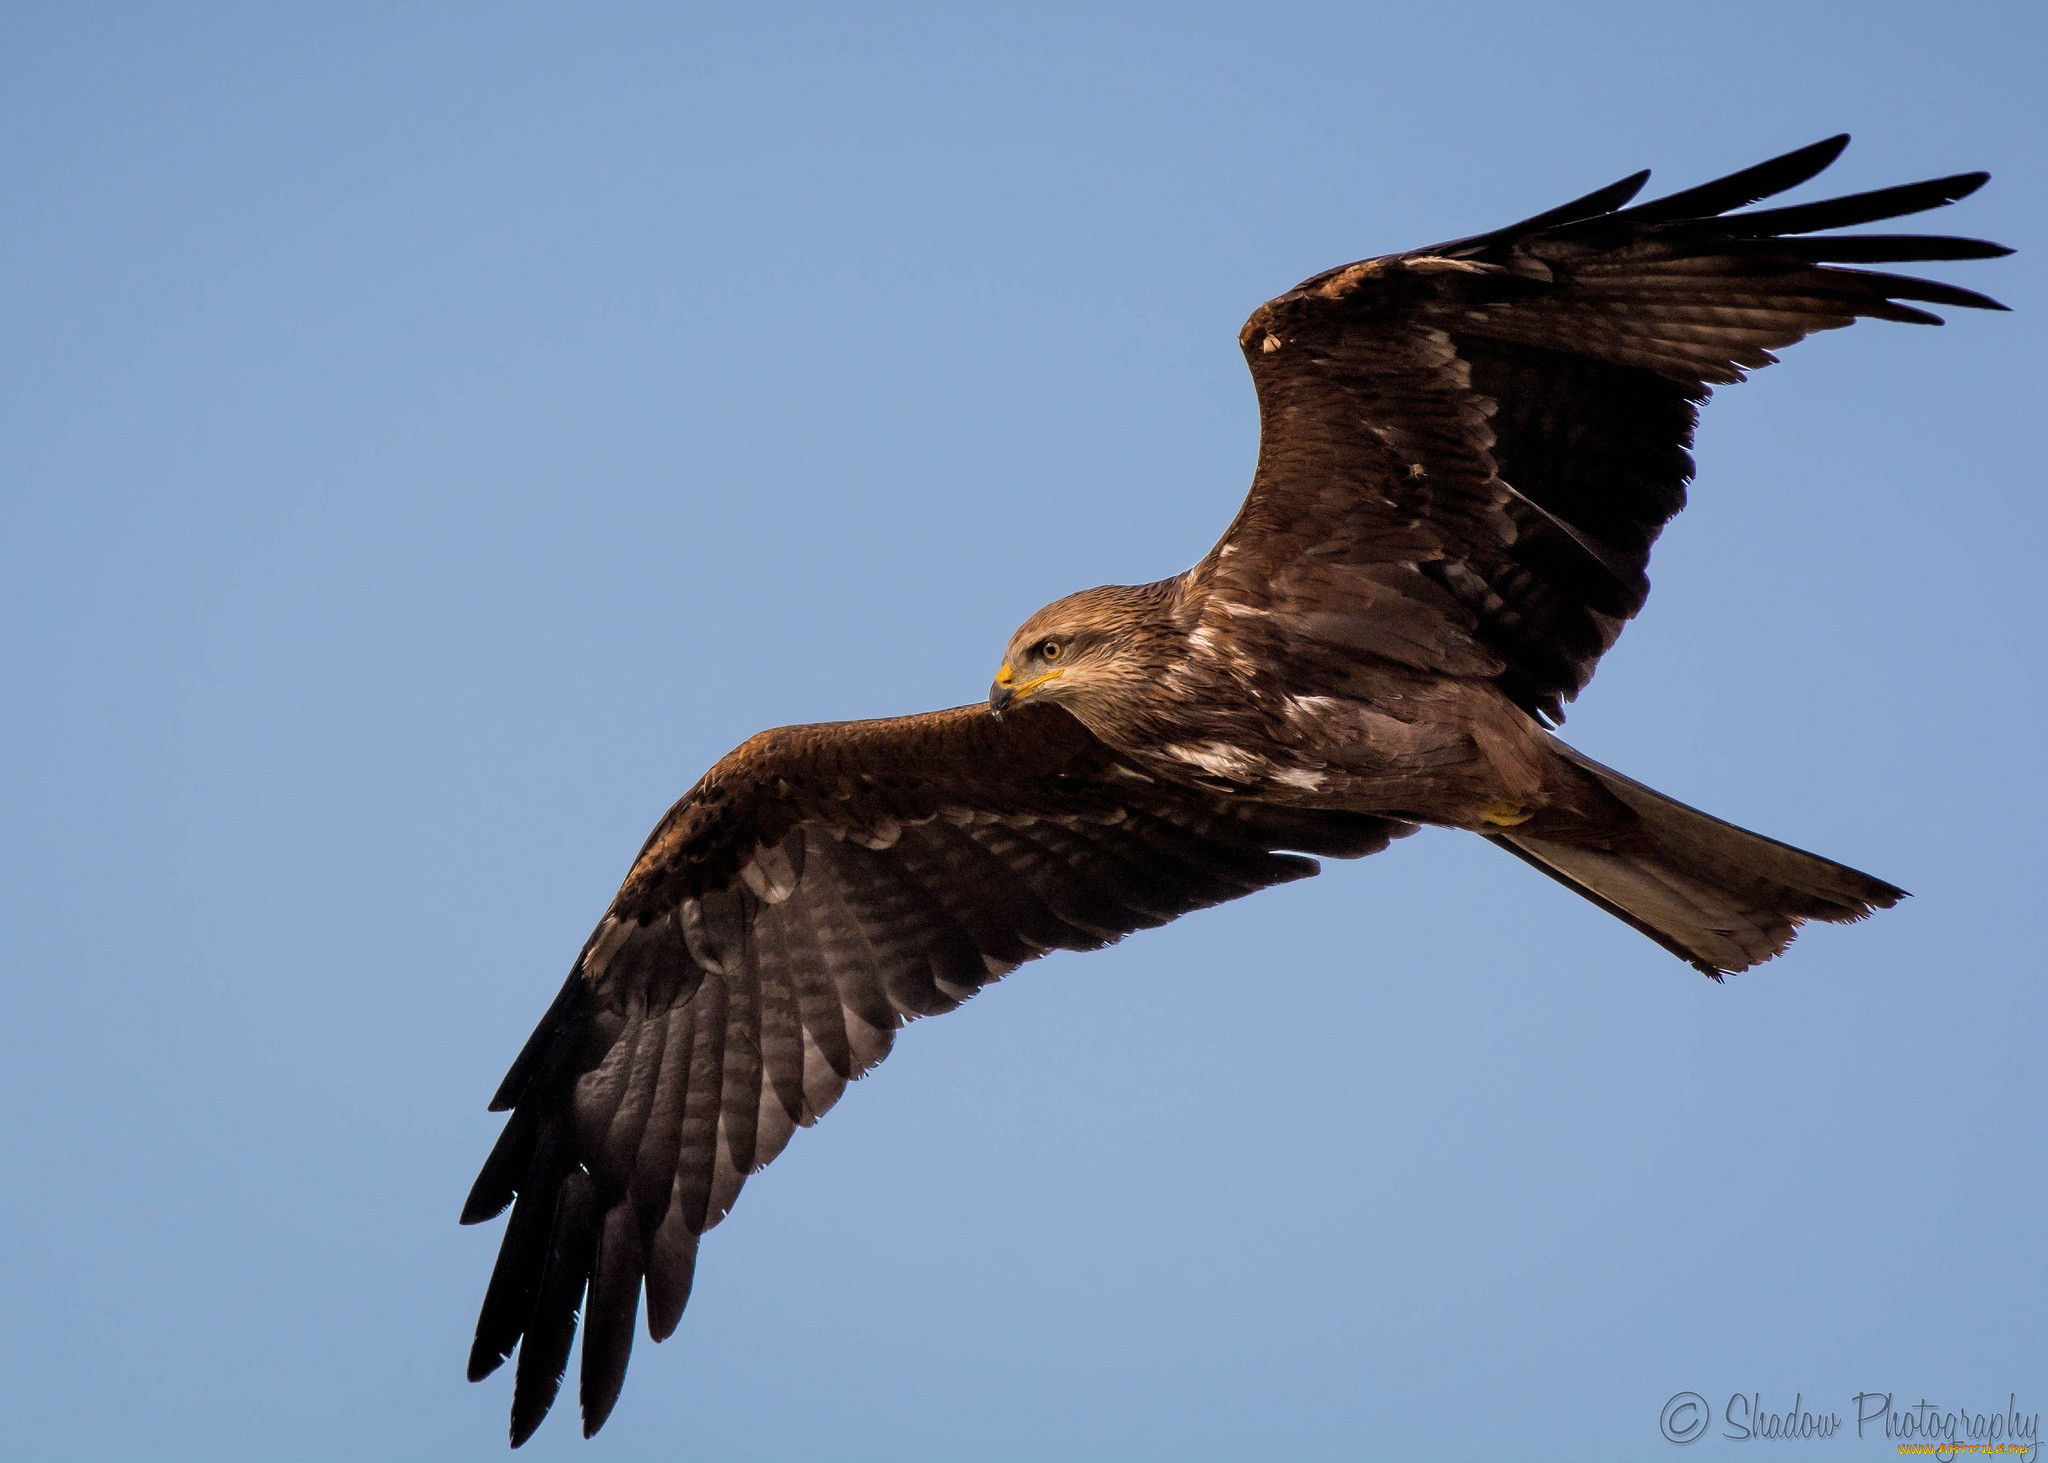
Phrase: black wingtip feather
(510, 1160)
(1932, 291)
(544, 1352)
(1597, 204)
(1890, 248)
(482, 1361)
(539, 1044)
(1592, 205)
(1859, 208)
(671, 1269)
(1740, 189)
(515, 1278)
(608, 1320)
(483, 1203)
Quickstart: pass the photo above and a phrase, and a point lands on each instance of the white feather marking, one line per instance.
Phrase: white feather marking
(1300, 777)
(771, 1128)
(1347, 279)
(1218, 758)
(697, 936)
(957, 992)
(770, 875)
(726, 1177)
(822, 1085)
(1437, 264)
(612, 932)
(882, 834)
(869, 1044)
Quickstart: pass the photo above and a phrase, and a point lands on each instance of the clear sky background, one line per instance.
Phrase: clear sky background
(430, 437)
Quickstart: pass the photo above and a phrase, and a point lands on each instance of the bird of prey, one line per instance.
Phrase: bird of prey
(1466, 452)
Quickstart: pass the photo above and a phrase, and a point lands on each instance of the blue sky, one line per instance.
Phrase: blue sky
(429, 439)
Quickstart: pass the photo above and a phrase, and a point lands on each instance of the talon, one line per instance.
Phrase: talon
(1504, 814)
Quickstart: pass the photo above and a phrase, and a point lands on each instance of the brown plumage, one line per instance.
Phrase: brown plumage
(1466, 453)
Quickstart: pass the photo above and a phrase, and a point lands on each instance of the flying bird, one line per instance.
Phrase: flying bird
(1466, 453)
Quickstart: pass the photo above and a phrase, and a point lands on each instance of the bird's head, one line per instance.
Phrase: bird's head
(1086, 652)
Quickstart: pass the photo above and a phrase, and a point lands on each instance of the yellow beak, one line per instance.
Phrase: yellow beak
(1006, 690)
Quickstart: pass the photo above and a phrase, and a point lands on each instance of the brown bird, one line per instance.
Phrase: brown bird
(1466, 452)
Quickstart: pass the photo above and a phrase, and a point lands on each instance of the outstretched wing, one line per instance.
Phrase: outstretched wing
(1467, 451)
(821, 886)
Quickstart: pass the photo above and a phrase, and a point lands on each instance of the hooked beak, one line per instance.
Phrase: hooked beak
(1006, 691)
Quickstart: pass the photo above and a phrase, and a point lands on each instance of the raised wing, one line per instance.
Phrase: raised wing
(821, 886)
(1466, 451)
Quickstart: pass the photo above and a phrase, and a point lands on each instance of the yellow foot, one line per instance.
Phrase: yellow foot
(1505, 814)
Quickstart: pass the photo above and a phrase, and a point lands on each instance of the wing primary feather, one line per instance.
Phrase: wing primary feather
(671, 1267)
(1327, 834)
(544, 1353)
(654, 1166)
(809, 967)
(740, 1100)
(1591, 205)
(1740, 189)
(522, 1254)
(552, 1023)
(1024, 847)
(634, 1067)
(1857, 208)
(1891, 248)
(1001, 913)
(840, 969)
(1632, 583)
(781, 1030)
(510, 1159)
(613, 1306)
(1906, 287)
(1169, 873)
(694, 1155)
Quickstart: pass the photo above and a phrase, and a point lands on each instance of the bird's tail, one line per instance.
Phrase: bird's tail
(1715, 895)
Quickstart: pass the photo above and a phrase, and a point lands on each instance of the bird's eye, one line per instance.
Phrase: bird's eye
(1049, 651)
